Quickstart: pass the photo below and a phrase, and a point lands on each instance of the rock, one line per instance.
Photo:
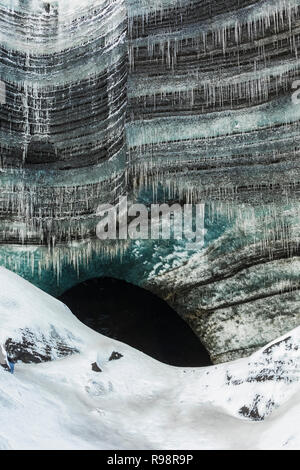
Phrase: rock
(253, 412)
(35, 348)
(36, 331)
(95, 367)
(115, 356)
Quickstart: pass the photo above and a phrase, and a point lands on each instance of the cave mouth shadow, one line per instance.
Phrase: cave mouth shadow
(40, 151)
(134, 316)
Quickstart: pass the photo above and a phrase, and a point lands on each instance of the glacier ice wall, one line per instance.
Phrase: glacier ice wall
(64, 66)
(210, 89)
(112, 96)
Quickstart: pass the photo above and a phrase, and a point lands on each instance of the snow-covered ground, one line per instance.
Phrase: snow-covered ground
(135, 402)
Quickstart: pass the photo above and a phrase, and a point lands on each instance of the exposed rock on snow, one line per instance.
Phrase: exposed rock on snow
(35, 328)
(95, 367)
(137, 402)
(278, 362)
(115, 356)
(33, 347)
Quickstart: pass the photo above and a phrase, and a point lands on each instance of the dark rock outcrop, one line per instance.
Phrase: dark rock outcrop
(95, 367)
(38, 348)
(115, 356)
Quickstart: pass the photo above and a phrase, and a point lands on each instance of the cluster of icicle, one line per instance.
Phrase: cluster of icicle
(52, 215)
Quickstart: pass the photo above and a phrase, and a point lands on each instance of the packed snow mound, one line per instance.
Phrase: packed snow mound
(256, 386)
(110, 396)
(36, 327)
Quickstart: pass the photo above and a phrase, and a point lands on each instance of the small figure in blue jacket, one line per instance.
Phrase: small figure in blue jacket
(5, 362)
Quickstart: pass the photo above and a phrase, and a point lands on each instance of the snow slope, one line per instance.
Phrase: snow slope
(136, 402)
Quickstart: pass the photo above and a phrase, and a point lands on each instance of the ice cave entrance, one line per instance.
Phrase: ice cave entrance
(136, 317)
(40, 151)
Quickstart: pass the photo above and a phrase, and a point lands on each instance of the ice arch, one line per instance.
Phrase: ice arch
(137, 317)
(41, 152)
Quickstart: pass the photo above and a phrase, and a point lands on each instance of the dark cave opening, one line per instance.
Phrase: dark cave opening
(40, 152)
(138, 318)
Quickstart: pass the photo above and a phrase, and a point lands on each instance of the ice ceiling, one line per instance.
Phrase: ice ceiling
(191, 99)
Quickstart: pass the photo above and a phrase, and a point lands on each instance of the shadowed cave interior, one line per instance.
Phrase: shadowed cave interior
(40, 152)
(136, 317)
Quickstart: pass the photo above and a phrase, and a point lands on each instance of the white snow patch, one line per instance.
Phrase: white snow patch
(137, 402)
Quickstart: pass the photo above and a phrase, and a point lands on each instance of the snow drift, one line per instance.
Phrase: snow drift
(106, 395)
